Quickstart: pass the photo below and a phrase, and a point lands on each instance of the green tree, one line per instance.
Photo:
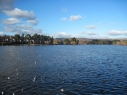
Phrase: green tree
(36, 38)
(73, 41)
(22, 38)
(66, 41)
(52, 40)
(17, 37)
(28, 38)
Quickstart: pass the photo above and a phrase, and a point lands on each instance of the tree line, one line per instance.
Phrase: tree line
(108, 42)
(34, 39)
(43, 39)
(26, 39)
(66, 41)
(74, 41)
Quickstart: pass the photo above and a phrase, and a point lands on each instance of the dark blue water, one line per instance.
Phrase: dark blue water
(63, 70)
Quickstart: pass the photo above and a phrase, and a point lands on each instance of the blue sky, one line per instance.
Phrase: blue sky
(65, 18)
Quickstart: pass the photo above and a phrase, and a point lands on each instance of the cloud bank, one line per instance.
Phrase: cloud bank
(33, 22)
(20, 14)
(22, 29)
(14, 23)
(17, 13)
(11, 21)
(117, 33)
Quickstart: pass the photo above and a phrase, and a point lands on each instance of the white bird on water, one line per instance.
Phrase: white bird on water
(2, 92)
(34, 79)
(62, 90)
(8, 78)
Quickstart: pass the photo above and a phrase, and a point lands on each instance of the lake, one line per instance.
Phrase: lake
(63, 70)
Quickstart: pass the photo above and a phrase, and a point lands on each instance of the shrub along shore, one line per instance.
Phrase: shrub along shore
(37, 39)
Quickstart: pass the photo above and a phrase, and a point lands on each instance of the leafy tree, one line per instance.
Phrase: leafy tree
(74, 41)
(66, 41)
(28, 38)
(51, 40)
(36, 38)
(17, 37)
(22, 38)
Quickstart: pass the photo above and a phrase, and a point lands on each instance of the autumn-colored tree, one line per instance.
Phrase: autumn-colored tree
(55, 41)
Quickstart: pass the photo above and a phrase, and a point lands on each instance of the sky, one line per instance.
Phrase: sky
(64, 18)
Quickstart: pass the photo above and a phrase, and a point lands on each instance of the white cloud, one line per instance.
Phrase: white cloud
(75, 17)
(117, 33)
(10, 29)
(22, 29)
(1, 33)
(64, 19)
(24, 14)
(6, 4)
(90, 26)
(62, 35)
(11, 21)
(91, 33)
(25, 27)
(33, 22)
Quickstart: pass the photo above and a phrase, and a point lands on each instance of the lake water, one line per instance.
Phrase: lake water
(63, 70)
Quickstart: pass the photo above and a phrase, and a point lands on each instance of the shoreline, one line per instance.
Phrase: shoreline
(55, 44)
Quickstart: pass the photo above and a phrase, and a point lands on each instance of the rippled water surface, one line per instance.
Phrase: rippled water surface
(63, 70)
